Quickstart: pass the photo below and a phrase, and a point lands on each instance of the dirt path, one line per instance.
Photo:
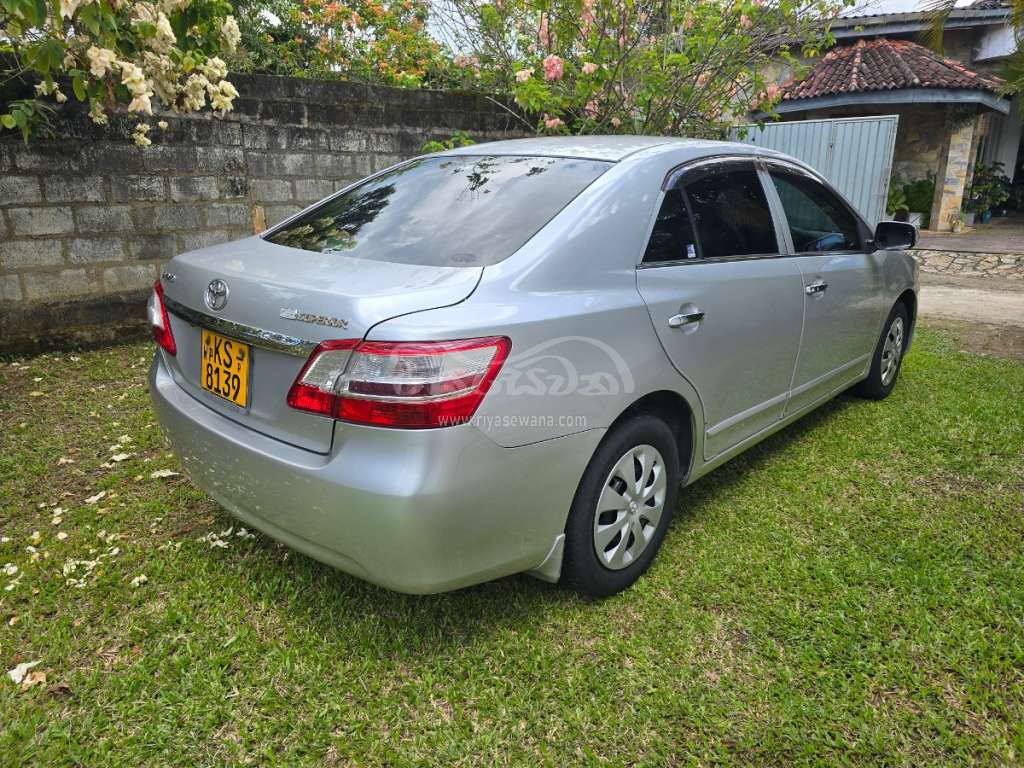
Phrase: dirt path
(987, 315)
(978, 300)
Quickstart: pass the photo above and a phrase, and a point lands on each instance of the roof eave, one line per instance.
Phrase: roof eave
(895, 96)
(853, 27)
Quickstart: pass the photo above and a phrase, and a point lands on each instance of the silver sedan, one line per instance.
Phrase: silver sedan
(511, 356)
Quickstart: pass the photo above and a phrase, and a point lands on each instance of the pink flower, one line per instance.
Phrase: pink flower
(543, 33)
(461, 61)
(552, 123)
(523, 75)
(591, 109)
(771, 92)
(688, 21)
(702, 78)
(745, 21)
(757, 3)
(615, 122)
(553, 67)
(589, 68)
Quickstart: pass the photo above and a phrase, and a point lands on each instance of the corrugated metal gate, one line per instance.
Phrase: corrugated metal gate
(854, 154)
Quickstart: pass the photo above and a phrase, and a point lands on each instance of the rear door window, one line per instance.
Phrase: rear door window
(462, 211)
(818, 222)
(730, 212)
(672, 238)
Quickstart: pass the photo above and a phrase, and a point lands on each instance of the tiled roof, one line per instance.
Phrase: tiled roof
(885, 65)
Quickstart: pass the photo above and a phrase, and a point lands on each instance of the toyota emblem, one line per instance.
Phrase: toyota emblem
(216, 294)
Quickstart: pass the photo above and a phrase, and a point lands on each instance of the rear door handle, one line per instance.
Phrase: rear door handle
(686, 318)
(818, 286)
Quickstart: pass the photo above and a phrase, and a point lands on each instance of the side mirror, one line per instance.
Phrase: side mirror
(894, 236)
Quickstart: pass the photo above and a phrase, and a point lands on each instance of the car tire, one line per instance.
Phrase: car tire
(634, 477)
(888, 357)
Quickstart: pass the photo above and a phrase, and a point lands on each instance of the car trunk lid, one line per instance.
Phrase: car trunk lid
(281, 302)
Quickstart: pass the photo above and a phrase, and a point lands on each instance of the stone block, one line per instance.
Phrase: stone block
(129, 277)
(308, 190)
(193, 241)
(228, 215)
(218, 159)
(147, 247)
(235, 187)
(41, 221)
(15, 254)
(10, 288)
(55, 286)
(308, 139)
(175, 216)
(348, 141)
(74, 189)
(129, 189)
(104, 218)
(271, 190)
(332, 165)
(278, 213)
(286, 112)
(88, 250)
(19, 189)
(194, 188)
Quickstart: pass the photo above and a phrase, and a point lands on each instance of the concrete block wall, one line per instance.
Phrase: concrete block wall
(87, 220)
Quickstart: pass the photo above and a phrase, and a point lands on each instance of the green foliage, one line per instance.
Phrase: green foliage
(920, 194)
(115, 55)
(896, 202)
(635, 66)
(990, 188)
(375, 41)
(457, 139)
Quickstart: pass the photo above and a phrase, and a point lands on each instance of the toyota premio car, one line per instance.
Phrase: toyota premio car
(511, 356)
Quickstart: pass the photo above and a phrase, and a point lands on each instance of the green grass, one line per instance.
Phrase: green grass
(849, 592)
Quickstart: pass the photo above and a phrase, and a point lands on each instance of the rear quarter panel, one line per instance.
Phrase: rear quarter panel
(583, 347)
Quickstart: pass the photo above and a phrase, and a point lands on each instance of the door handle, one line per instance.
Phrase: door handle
(685, 318)
(818, 286)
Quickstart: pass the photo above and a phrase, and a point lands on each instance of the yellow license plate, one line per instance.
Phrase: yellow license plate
(225, 368)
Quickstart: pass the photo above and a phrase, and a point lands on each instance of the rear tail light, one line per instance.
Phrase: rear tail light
(158, 320)
(410, 385)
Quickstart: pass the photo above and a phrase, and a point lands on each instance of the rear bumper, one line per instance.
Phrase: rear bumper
(416, 511)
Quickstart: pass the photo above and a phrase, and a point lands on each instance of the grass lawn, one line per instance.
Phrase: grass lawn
(851, 591)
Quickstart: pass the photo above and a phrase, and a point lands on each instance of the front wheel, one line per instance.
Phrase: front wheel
(888, 357)
(622, 507)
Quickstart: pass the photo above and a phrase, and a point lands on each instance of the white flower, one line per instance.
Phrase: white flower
(231, 34)
(139, 103)
(214, 68)
(98, 116)
(523, 75)
(68, 7)
(164, 37)
(138, 581)
(101, 61)
(162, 125)
(59, 96)
(139, 135)
(221, 96)
(10, 569)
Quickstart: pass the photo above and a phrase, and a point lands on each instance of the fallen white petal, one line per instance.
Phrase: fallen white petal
(157, 474)
(18, 673)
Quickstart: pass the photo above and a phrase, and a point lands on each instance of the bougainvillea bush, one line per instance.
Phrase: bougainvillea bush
(637, 66)
(374, 41)
(116, 54)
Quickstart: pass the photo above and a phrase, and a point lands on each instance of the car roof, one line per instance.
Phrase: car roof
(607, 148)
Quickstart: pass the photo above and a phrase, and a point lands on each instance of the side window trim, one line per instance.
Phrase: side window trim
(769, 164)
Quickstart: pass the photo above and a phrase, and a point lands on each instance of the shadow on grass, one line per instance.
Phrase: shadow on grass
(323, 600)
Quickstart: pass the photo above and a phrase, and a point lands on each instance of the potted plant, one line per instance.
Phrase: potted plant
(989, 189)
(956, 222)
(896, 203)
(919, 196)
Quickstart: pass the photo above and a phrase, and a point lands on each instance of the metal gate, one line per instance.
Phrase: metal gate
(854, 154)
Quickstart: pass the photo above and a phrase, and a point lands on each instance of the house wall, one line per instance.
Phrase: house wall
(87, 220)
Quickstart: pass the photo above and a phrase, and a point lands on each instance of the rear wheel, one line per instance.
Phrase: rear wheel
(888, 357)
(622, 507)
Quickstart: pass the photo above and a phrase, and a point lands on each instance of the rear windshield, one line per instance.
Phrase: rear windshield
(464, 211)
